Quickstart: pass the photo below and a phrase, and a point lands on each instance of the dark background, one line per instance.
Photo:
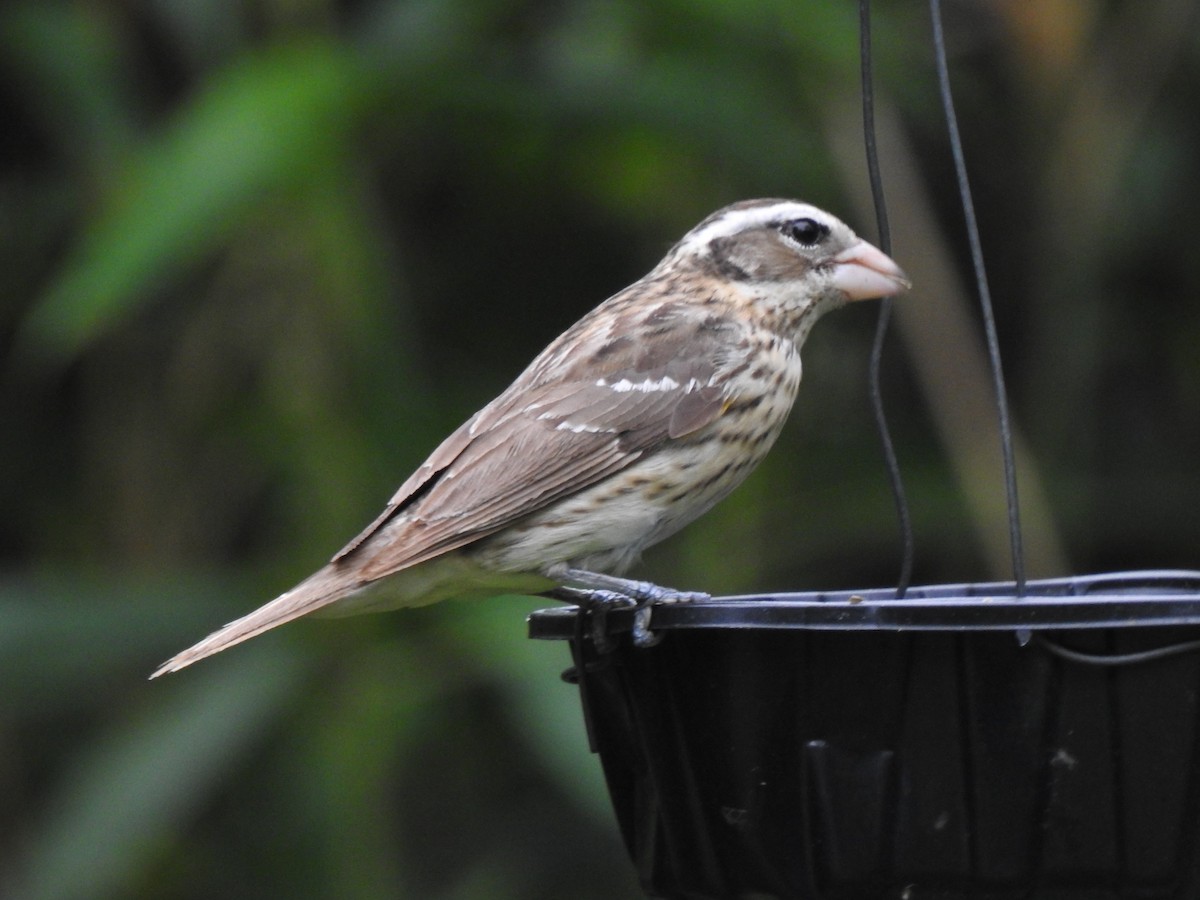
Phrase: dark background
(258, 258)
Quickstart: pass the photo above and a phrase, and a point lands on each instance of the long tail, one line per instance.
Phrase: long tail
(320, 589)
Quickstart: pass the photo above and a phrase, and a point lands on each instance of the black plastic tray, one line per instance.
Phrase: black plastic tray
(851, 745)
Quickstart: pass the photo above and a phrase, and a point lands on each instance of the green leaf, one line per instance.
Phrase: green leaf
(271, 121)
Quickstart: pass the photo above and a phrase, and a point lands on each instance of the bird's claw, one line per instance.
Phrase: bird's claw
(642, 635)
(596, 604)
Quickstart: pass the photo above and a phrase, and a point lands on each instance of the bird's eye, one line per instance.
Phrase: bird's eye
(807, 232)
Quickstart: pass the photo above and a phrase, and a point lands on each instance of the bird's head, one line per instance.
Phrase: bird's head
(791, 253)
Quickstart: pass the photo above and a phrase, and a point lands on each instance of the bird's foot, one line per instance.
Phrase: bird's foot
(599, 593)
(641, 591)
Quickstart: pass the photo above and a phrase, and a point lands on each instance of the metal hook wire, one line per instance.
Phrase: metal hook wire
(885, 310)
(985, 299)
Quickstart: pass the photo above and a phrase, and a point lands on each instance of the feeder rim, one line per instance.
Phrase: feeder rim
(1126, 599)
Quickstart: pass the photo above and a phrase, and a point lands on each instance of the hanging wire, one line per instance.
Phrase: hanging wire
(1115, 659)
(885, 309)
(985, 299)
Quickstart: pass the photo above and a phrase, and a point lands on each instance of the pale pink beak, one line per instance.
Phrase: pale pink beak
(863, 272)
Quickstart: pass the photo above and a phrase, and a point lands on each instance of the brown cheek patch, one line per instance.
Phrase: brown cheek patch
(759, 256)
(770, 259)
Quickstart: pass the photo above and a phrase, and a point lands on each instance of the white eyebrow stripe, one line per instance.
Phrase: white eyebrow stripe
(738, 220)
(649, 386)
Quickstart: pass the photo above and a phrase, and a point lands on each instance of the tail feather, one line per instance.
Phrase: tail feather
(323, 587)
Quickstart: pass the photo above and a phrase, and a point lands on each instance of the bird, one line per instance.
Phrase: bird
(632, 423)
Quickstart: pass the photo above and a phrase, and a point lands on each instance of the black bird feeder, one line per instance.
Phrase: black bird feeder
(851, 745)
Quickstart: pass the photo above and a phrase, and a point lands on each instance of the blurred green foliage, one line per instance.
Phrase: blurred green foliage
(256, 259)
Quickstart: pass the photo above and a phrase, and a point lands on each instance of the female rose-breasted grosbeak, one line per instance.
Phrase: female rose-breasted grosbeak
(635, 421)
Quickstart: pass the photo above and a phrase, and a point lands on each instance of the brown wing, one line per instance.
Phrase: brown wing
(427, 473)
(546, 438)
